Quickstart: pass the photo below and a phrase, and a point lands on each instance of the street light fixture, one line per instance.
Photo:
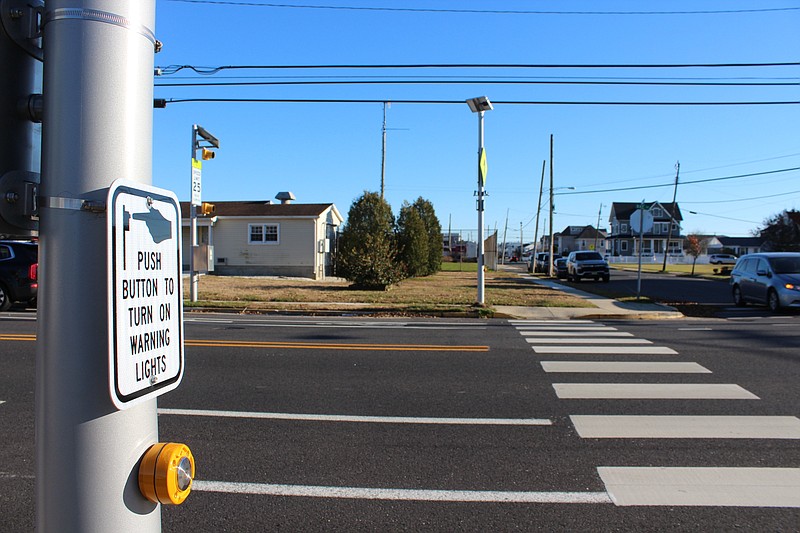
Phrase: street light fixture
(202, 144)
(479, 105)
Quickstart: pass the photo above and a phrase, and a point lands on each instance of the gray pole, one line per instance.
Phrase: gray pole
(538, 210)
(671, 215)
(98, 101)
(550, 267)
(480, 212)
(383, 153)
(641, 244)
(193, 278)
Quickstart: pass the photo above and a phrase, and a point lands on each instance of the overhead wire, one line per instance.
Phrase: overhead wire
(240, 3)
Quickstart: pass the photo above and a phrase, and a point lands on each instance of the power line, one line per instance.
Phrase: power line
(787, 193)
(482, 11)
(476, 81)
(707, 180)
(172, 69)
(459, 102)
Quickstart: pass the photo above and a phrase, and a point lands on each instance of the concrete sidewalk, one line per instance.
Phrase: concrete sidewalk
(604, 307)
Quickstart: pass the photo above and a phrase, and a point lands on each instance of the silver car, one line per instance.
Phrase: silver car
(767, 278)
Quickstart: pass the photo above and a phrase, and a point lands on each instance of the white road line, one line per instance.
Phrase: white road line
(623, 367)
(586, 340)
(651, 391)
(740, 487)
(362, 419)
(686, 427)
(2, 401)
(601, 350)
(694, 329)
(561, 333)
(523, 329)
(481, 496)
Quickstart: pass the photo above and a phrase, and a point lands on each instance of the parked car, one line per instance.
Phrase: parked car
(19, 269)
(587, 265)
(772, 279)
(540, 262)
(561, 267)
(722, 259)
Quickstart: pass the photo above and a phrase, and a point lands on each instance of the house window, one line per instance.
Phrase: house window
(623, 246)
(623, 228)
(656, 212)
(263, 234)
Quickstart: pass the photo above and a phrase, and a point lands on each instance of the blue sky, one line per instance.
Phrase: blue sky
(331, 152)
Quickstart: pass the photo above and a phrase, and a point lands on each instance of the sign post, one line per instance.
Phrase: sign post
(146, 303)
(641, 221)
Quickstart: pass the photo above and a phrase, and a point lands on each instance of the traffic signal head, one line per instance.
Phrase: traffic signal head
(208, 154)
(207, 208)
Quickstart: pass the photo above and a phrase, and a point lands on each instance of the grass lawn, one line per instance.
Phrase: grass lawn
(443, 291)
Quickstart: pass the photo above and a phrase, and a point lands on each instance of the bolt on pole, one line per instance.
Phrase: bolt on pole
(98, 124)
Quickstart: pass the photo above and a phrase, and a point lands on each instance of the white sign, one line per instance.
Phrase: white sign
(197, 171)
(145, 292)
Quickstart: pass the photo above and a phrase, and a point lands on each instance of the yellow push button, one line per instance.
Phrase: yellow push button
(166, 473)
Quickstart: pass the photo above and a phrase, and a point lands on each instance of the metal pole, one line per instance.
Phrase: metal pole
(98, 101)
(550, 267)
(538, 210)
(641, 243)
(193, 281)
(671, 216)
(383, 153)
(480, 212)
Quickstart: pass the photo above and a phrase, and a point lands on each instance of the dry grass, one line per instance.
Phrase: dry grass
(445, 290)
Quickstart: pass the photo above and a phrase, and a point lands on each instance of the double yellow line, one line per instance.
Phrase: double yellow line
(302, 345)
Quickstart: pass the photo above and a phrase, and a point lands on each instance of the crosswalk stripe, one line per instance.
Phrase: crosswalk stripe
(653, 391)
(584, 340)
(686, 427)
(523, 329)
(623, 367)
(532, 321)
(561, 333)
(601, 350)
(707, 486)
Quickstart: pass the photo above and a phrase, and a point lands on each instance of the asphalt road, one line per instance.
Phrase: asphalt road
(302, 424)
(672, 288)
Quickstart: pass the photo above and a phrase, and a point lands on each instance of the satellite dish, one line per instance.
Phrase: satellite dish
(641, 221)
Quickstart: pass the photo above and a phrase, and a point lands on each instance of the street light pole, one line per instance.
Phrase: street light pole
(479, 105)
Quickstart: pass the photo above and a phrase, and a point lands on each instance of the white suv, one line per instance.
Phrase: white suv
(722, 259)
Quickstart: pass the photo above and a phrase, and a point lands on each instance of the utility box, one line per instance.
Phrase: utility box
(203, 258)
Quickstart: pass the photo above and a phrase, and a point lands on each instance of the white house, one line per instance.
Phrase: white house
(261, 238)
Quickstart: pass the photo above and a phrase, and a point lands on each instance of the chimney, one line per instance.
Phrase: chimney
(285, 197)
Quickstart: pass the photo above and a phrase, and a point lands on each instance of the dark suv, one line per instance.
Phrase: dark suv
(19, 267)
(587, 265)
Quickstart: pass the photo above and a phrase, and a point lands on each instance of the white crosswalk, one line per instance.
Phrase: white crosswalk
(576, 342)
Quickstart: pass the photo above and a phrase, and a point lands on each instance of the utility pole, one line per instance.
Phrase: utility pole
(521, 242)
(505, 230)
(538, 210)
(98, 106)
(383, 153)
(597, 229)
(552, 208)
(671, 216)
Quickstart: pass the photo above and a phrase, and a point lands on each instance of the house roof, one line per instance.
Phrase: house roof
(582, 232)
(624, 210)
(741, 241)
(263, 209)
